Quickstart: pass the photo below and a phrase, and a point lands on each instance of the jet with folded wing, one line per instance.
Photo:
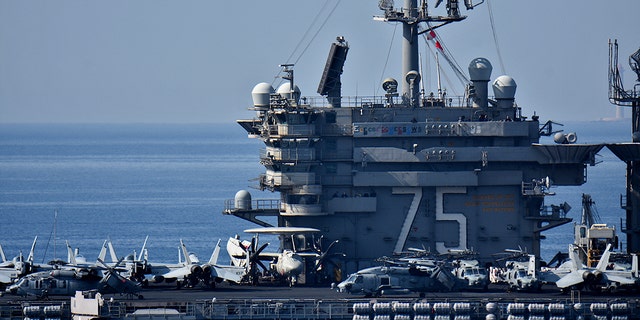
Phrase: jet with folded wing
(600, 278)
(191, 272)
(11, 270)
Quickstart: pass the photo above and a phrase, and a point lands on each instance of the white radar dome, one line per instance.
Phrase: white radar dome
(504, 87)
(261, 93)
(285, 91)
(480, 69)
(242, 200)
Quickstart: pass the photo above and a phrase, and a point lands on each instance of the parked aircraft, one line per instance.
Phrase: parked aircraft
(191, 272)
(136, 265)
(385, 280)
(471, 274)
(520, 271)
(65, 282)
(297, 254)
(601, 277)
(11, 270)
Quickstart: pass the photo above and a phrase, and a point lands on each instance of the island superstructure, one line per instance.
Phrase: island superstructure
(410, 169)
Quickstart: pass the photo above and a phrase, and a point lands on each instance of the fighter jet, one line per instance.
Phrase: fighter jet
(600, 278)
(137, 265)
(12, 270)
(191, 272)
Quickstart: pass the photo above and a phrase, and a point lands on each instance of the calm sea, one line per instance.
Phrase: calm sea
(125, 182)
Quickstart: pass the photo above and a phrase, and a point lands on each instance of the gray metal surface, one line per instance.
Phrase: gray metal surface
(382, 174)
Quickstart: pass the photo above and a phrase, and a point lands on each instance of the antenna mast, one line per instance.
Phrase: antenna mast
(411, 16)
(628, 152)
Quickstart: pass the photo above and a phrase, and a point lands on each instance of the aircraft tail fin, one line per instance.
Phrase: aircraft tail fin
(187, 259)
(575, 259)
(4, 258)
(604, 260)
(634, 265)
(103, 252)
(215, 254)
(112, 252)
(33, 247)
(144, 247)
(71, 257)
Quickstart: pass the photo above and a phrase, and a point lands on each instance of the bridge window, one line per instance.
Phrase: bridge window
(302, 199)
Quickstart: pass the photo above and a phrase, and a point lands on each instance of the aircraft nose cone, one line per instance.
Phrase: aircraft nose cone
(344, 287)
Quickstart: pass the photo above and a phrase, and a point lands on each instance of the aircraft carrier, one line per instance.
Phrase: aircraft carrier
(262, 302)
(410, 169)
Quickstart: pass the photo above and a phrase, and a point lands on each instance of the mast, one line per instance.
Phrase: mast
(411, 16)
(628, 152)
(410, 51)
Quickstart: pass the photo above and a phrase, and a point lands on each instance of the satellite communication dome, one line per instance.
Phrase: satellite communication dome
(412, 76)
(504, 87)
(390, 85)
(480, 69)
(261, 93)
(242, 200)
(285, 91)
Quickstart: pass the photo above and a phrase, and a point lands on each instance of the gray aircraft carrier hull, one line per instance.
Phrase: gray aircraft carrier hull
(323, 303)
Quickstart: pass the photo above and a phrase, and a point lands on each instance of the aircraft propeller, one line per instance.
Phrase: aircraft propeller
(253, 253)
(113, 281)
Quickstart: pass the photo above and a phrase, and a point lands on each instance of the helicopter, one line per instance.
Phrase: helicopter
(65, 282)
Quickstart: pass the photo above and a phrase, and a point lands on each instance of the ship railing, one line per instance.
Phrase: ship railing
(301, 130)
(291, 154)
(553, 211)
(247, 309)
(280, 179)
(382, 101)
(230, 205)
(535, 189)
(603, 308)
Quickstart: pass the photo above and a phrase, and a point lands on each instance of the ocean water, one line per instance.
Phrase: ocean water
(124, 182)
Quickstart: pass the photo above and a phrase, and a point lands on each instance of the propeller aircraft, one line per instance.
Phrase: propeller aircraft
(295, 257)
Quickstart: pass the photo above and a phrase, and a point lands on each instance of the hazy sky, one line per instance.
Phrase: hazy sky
(162, 61)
